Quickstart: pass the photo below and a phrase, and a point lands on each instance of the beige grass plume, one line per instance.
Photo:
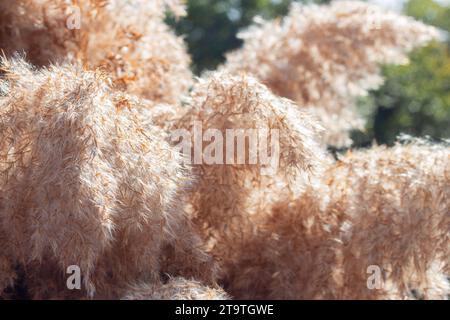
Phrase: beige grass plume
(129, 39)
(84, 181)
(397, 204)
(175, 289)
(227, 197)
(386, 208)
(323, 57)
(88, 178)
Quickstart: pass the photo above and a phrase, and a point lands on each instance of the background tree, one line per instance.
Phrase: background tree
(415, 99)
(211, 26)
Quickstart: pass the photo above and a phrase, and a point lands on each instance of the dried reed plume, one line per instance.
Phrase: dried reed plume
(176, 289)
(323, 57)
(85, 182)
(129, 39)
(397, 204)
(91, 173)
(285, 238)
(385, 207)
(219, 201)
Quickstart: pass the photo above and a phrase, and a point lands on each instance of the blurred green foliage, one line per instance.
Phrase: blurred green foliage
(415, 98)
(211, 26)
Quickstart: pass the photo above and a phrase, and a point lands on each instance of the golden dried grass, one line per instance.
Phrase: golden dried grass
(85, 182)
(176, 289)
(219, 202)
(386, 207)
(128, 39)
(323, 57)
(88, 175)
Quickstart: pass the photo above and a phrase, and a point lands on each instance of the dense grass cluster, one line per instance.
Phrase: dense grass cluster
(90, 175)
